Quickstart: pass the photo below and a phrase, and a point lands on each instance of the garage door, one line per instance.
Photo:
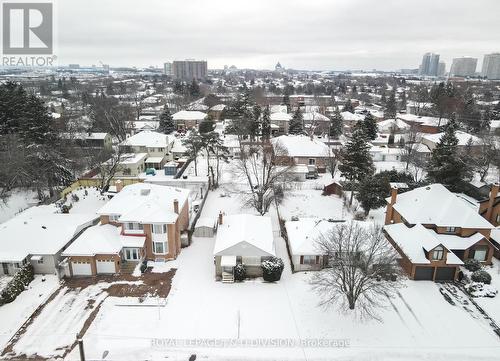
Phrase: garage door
(424, 273)
(445, 273)
(81, 269)
(105, 267)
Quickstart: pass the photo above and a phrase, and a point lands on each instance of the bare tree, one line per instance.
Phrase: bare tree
(409, 152)
(363, 273)
(108, 169)
(265, 167)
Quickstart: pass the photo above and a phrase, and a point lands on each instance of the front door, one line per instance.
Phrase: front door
(131, 254)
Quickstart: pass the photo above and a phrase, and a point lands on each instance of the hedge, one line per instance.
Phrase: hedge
(18, 284)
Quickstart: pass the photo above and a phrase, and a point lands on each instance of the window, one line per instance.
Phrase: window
(312, 161)
(159, 247)
(438, 253)
(480, 254)
(130, 226)
(114, 217)
(159, 228)
(450, 229)
(40, 261)
(308, 259)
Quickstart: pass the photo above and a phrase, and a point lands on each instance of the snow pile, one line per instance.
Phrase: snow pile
(479, 289)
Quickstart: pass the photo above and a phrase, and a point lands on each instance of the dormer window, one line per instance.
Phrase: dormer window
(438, 253)
(451, 229)
(114, 217)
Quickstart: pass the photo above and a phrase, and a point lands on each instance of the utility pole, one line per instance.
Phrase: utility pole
(80, 348)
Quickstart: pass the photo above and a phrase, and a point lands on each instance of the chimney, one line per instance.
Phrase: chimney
(221, 218)
(491, 202)
(389, 211)
(176, 206)
(118, 185)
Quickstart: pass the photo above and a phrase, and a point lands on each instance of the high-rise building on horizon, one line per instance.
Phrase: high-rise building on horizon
(189, 69)
(464, 66)
(167, 68)
(491, 66)
(430, 64)
(441, 68)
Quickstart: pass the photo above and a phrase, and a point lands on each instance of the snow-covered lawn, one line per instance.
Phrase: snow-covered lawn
(14, 314)
(311, 203)
(19, 200)
(418, 324)
(89, 200)
(492, 305)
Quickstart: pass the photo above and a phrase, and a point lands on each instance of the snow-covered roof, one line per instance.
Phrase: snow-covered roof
(146, 203)
(154, 159)
(189, 115)
(413, 241)
(39, 231)
(218, 107)
(348, 116)
(102, 239)
(434, 204)
(386, 126)
(315, 116)
(423, 120)
(279, 116)
(178, 147)
(148, 138)
(301, 146)
(304, 233)
(245, 235)
(463, 138)
(278, 109)
(132, 158)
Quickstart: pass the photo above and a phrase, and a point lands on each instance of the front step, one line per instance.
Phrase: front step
(128, 267)
(227, 278)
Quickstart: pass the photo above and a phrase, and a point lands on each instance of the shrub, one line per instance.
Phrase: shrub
(18, 284)
(75, 198)
(272, 269)
(144, 266)
(240, 272)
(481, 276)
(472, 265)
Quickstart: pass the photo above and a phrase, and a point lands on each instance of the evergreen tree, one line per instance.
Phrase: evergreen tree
(296, 125)
(194, 89)
(446, 165)
(207, 125)
(348, 107)
(166, 123)
(266, 124)
(390, 108)
(370, 127)
(336, 124)
(357, 162)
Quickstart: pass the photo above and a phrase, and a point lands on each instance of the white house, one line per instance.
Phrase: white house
(431, 140)
(158, 146)
(39, 236)
(245, 239)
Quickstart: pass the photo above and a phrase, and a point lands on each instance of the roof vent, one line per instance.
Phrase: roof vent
(145, 191)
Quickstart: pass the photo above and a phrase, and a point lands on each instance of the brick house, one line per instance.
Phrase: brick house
(302, 150)
(142, 221)
(434, 231)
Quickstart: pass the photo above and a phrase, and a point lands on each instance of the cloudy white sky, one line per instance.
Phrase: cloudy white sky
(301, 34)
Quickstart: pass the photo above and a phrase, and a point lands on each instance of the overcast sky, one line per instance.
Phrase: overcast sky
(305, 34)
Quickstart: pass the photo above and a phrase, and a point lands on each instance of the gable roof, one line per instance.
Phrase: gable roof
(415, 241)
(145, 203)
(148, 138)
(254, 233)
(189, 115)
(435, 204)
(301, 146)
(39, 231)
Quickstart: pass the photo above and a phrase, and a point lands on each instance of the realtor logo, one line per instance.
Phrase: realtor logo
(27, 28)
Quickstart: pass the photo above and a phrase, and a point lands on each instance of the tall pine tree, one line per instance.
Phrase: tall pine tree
(336, 124)
(370, 127)
(390, 108)
(357, 162)
(348, 107)
(266, 124)
(166, 123)
(446, 165)
(296, 125)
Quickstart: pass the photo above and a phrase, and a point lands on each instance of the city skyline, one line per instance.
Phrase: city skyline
(326, 35)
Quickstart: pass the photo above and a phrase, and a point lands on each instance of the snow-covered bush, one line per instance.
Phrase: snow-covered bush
(481, 276)
(478, 289)
(240, 272)
(272, 269)
(472, 265)
(18, 284)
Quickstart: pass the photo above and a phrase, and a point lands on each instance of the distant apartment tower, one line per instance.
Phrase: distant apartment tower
(167, 68)
(464, 66)
(441, 68)
(430, 64)
(189, 69)
(491, 66)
